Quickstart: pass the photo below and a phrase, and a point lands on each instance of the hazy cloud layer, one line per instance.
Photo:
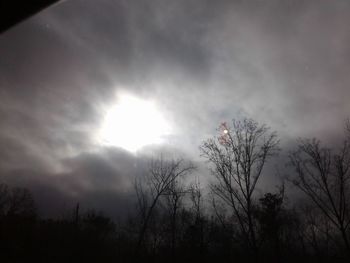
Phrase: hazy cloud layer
(285, 63)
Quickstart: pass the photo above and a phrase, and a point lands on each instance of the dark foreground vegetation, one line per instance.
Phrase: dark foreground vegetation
(176, 220)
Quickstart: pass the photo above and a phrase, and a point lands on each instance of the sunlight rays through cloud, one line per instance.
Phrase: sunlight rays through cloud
(133, 123)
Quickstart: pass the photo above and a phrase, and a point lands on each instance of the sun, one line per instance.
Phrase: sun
(133, 123)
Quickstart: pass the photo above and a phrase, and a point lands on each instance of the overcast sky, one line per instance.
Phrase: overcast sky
(285, 63)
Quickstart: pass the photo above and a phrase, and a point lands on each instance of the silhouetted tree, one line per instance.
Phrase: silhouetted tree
(323, 175)
(270, 217)
(159, 180)
(17, 222)
(237, 157)
(4, 199)
(317, 232)
(16, 201)
(173, 196)
(194, 224)
(196, 197)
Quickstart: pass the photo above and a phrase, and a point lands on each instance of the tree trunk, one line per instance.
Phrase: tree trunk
(346, 240)
(145, 225)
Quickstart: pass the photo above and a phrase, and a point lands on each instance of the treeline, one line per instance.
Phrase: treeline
(177, 220)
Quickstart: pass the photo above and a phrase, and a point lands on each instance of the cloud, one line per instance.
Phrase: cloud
(284, 63)
(101, 181)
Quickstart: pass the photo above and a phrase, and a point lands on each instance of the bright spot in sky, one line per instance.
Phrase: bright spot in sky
(225, 131)
(132, 124)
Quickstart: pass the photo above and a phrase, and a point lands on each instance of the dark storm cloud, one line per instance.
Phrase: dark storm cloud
(285, 63)
(102, 180)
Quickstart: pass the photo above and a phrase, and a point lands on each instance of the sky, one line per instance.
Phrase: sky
(197, 63)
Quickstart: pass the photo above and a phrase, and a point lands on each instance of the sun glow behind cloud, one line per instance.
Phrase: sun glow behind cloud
(133, 123)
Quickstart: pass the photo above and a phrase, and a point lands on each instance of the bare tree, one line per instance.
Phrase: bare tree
(316, 230)
(196, 199)
(160, 181)
(21, 202)
(173, 197)
(16, 201)
(271, 221)
(238, 156)
(4, 199)
(323, 175)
